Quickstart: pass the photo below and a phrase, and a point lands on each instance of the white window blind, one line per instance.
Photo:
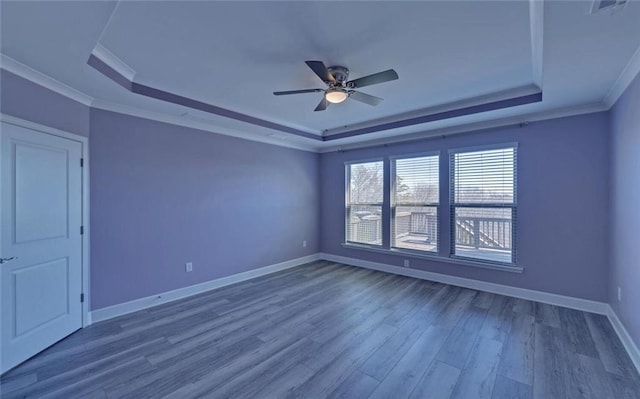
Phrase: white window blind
(483, 210)
(364, 203)
(415, 200)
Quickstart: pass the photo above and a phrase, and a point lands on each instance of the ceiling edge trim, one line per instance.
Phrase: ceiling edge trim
(454, 113)
(457, 104)
(536, 16)
(627, 75)
(113, 61)
(194, 124)
(108, 71)
(17, 68)
(474, 127)
(148, 91)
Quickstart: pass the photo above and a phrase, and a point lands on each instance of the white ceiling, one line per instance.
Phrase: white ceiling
(235, 54)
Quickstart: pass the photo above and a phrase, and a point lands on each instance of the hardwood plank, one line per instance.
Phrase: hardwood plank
(610, 350)
(517, 356)
(438, 382)
(624, 388)
(449, 315)
(547, 314)
(252, 381)
(165, 377)
(385, 358)
(81, 381)
(10, 384)
(406, 374)
(498, 321)
(524, 306)
(506, 388)
(382, 361)
(331, 375)
(458, 347)
(357, 385)
(576, 332)
(550, 368)
(238, 365)
(587, 378)
(484, 300)
(282, 385)
(479, 375)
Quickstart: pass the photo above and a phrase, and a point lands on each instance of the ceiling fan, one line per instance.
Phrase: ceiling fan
(338, 88)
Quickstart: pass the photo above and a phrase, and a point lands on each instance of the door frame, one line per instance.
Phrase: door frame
(85, 256)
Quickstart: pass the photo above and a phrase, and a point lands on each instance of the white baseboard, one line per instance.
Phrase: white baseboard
(532, 295)
(147, 302)
(625, 337)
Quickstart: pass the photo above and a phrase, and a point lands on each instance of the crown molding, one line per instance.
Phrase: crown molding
(472, 127)
(17, 68)
(626, 77)
(628, 74)
(200, 124)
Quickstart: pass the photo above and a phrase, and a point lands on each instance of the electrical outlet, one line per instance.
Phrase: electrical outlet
(406, 263)
(188, 267)
(304, 243)
(619, 294)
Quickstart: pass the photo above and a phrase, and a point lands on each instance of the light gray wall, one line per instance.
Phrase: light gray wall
(625, 209)
(27, 100)
(163, 195)
(562, 223)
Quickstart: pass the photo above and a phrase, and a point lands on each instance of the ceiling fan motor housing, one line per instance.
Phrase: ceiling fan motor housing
(340, 73)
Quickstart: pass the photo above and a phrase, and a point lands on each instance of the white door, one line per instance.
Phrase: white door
(40, 241)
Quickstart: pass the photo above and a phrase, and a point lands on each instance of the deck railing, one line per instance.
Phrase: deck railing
(476, 232)
(424, 224)
(366, 230)
(483, 232)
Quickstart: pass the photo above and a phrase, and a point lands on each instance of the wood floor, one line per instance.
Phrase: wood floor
(330, 330)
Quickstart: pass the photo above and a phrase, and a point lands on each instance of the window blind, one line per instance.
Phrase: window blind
(415, 200)
(363, 222)
(483, 210)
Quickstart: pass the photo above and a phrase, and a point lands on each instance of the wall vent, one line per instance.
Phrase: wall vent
(611, 5)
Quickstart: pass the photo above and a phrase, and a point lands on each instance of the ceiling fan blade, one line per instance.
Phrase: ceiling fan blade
(323, 105)
(365, 98)
(284, 93)
(321, 70)
(376, 78)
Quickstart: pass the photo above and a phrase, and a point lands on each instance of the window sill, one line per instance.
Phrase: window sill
(435, 258)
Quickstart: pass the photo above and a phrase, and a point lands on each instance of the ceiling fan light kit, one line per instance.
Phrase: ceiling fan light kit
(336, 96)
(338, 88)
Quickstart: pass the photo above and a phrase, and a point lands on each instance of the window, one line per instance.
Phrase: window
(364, 202)
(414, 203)
(483, 204)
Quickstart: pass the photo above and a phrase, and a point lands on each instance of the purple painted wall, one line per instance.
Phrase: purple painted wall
(625, 212)
(563, 205)
(27, 100)
(163, 195)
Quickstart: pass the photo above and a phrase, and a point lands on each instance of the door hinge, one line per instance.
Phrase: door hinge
(82, 162)
(81, 230)
(82, 297)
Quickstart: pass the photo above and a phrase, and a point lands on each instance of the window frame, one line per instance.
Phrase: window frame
(454, 205)
(348, 204)
(393, 203)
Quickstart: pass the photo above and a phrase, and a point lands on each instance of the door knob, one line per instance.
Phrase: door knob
(5, 260)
